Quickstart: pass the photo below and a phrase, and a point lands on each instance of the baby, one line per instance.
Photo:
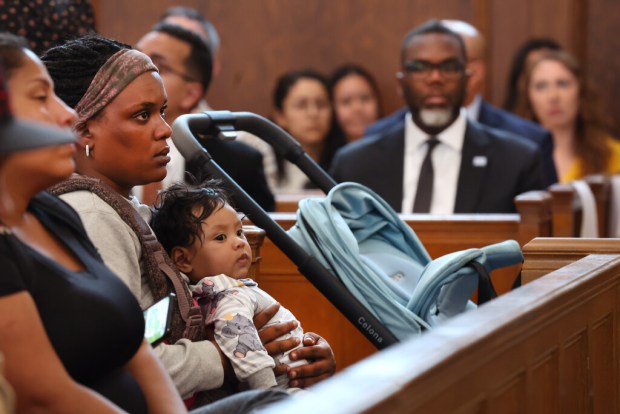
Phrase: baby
(204, 236)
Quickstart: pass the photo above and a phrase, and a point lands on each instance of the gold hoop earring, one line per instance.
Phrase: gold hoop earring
(87, 151)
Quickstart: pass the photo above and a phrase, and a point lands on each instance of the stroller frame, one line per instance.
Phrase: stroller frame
(186, 132)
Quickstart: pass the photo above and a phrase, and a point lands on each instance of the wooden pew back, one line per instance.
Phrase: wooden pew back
(567, 210)
(551, 346)
(543, 255)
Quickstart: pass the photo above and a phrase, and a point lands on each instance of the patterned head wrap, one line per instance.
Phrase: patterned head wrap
(112, 78)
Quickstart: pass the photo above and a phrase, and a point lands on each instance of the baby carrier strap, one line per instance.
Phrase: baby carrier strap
(159, 267)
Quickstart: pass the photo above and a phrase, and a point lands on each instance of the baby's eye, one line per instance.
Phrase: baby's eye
(240, 233)
(220, 237)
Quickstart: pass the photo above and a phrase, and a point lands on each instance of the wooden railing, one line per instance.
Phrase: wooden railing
(544, 255)
(551, 346)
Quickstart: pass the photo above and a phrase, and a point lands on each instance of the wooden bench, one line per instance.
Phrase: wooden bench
(566, 207)
(440, 235)
(544, 255)
(550, 346)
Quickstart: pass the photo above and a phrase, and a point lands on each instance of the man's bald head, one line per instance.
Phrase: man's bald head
(475, 47)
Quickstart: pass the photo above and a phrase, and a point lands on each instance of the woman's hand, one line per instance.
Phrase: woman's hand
(322, 363)
(315, 350)
(268, 334)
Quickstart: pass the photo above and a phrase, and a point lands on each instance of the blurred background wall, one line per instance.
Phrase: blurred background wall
(263, 38)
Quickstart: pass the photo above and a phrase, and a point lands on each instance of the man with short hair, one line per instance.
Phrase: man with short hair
(480, 110)
(184, 62)
(436, 160)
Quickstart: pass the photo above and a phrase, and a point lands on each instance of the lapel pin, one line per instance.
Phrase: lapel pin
(479, 161)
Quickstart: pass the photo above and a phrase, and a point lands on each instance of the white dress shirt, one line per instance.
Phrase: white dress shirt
(446, 159)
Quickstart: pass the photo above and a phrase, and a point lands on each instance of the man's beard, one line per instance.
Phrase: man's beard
(436, 118)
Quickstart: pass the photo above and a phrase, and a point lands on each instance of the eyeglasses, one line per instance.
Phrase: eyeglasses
(165, 68)
(421, 69)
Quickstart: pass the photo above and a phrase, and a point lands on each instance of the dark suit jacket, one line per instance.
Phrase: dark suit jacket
(513, 166)
(243, 164)
(496, 118)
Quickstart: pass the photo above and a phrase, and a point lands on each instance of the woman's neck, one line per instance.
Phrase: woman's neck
(14, 201)
(564, 154)
(125, 192)
(564, 139)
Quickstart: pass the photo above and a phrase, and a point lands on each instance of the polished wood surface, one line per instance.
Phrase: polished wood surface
(546, 254)
(549, 347)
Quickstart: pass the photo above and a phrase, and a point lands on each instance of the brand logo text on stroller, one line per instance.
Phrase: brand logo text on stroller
(368, 327)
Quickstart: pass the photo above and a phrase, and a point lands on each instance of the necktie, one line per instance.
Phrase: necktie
(424, 193)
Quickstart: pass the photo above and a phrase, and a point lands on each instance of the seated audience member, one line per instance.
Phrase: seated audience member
(203, 235)
(120, 100)
(526, 54)
(554, 92)
(61, 354)
(482, 111)
(303, 108)
(356, 99)
(191, 19)
(436, 160)
(184, 63)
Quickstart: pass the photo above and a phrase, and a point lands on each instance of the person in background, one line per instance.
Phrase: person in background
(184, 63)
(554, 92)
(122, 143)
(525, 55)
(356, 99)
(482, 111)
(60, 354)
(192, 20)
(437, 160)
(303, 108)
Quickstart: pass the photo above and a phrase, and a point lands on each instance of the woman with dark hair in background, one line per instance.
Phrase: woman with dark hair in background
(356, 99)
(526, 54)
(303, 107)
(555, 93)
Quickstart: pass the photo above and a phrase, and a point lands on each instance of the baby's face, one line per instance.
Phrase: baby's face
(223, 249)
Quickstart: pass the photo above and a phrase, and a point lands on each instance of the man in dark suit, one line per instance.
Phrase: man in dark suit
(473, 168)
(480, 110)
(185, 64)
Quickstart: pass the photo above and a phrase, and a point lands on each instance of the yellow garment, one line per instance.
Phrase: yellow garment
(613, 167)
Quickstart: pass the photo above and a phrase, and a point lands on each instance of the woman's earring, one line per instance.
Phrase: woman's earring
(87, 150)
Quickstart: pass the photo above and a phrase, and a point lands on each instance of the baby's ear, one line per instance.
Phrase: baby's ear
(181, 258)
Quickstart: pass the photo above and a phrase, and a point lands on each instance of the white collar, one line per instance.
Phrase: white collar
(453, 136)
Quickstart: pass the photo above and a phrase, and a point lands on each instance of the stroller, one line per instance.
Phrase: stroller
(351, 245)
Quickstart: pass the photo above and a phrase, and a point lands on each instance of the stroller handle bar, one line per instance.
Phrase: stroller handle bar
(211, 123)
(184, 131)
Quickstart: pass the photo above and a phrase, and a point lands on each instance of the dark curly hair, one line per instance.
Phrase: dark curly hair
(74, 64)
(176, 220)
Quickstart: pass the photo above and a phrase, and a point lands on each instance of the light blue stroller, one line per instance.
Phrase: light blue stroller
(357, 236)
(351, 245)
